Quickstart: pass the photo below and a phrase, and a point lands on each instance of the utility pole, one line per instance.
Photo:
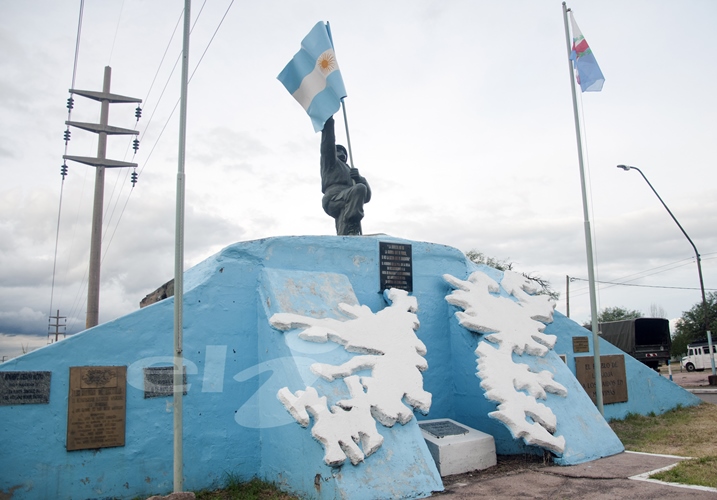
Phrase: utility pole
(567, 295)
(57, 326)
(178, 378)
(100, 162)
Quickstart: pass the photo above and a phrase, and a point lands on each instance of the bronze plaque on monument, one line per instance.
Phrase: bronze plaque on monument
(159, 381)
(581, 344)
(24, 388)
(395, 266)
(443, 428)
(96, 407)
(614, 382)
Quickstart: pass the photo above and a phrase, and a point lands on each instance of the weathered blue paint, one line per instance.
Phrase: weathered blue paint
(648, 391)
(401, 468)
(232, 422)
(587, 434)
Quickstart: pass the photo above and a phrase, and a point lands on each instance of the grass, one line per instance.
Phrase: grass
(698, 471)
(235, 489)
(686, 432)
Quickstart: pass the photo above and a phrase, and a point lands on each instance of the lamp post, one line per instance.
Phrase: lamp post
(697, 255)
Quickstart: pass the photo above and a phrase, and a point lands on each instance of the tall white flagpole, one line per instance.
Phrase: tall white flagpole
(179, 263)
(588, 236)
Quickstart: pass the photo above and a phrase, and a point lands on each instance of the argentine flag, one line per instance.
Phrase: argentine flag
(313, 76)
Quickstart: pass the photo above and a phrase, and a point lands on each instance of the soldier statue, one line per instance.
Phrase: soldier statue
(345, 190)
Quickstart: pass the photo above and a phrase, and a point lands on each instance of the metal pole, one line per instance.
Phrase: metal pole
(348, 137)
(588, 236)
(179, 263)
(567, 295)
(93, 281)
(697, 255)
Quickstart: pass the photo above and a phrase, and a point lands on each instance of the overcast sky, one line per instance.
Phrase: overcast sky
(460, 116)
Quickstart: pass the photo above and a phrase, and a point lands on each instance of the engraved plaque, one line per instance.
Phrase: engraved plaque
(96, 408)
(581, 344)
(614, 381)
(395, 266)
(159, 381)
(443, 428)
(24, 388)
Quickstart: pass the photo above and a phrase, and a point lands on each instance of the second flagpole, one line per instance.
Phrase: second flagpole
(588, 232)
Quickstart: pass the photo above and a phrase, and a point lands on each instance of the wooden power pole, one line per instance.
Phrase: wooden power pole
(100, 162)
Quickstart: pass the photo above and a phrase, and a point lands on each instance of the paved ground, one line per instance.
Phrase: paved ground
(608, 478)
(695, 382)
(617, 477)
(689, 380)
(707, 395)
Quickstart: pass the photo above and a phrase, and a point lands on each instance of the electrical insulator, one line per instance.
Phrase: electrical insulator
(70, 103)
(134, 178)
(138, 113)
(67, 136)
(63, 171)
(135, 145)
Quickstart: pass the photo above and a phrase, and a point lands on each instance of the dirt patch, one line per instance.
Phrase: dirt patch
(507, 465)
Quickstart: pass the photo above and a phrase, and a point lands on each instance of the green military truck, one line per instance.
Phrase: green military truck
(645, 339)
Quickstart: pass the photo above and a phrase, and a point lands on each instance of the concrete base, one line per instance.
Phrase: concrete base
(458, 453)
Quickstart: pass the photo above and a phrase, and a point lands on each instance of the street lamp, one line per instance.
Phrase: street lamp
(697, 255)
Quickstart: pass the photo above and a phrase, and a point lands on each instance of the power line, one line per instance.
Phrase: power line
(649, 272)
(657, 270)
(64, 166)
(116, 202)
(173, 109)
(644, 286)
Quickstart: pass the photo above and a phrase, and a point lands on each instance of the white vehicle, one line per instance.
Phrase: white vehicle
(698, 356)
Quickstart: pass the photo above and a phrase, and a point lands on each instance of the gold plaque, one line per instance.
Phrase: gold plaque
(581, 344)
(614, 381)
(96, 408)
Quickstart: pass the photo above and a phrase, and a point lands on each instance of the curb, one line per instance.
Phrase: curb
(645, 476)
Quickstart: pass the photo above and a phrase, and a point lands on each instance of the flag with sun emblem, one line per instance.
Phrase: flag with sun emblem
(313, 76)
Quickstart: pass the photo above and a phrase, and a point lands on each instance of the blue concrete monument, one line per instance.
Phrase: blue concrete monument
(310, 362)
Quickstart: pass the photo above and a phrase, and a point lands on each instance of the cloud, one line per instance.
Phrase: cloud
(465, 135)
(25, 320)
(13, 345)
(137, 258)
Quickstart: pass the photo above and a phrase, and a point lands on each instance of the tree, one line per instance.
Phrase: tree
(657, 311)
(691, 326)
(505, 265)
(481, 258)
(614, 314)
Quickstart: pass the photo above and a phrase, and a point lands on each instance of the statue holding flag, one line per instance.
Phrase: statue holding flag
(345, 190)
(313, 78)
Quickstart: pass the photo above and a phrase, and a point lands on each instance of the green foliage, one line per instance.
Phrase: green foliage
(236, 489)
(698, 471)
(680, 340)
(617, 314)
(504, 265)
(691, 326)
(614, 314)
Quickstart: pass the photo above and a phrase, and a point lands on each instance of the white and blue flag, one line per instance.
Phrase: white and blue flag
(313, 76)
